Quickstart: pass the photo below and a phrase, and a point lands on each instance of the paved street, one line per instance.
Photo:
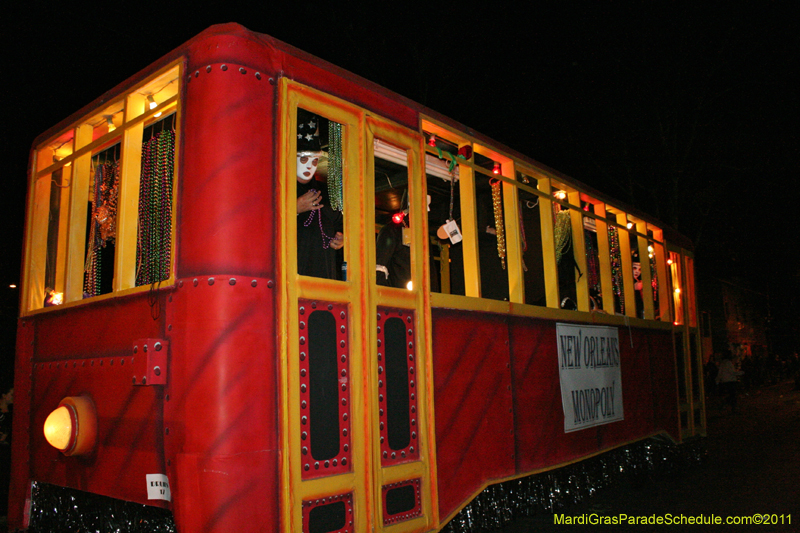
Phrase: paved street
(752, 467)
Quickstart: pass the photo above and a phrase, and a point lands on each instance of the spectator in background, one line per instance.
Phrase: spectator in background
(728, 379)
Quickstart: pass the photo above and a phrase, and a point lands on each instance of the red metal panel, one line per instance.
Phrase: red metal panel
(411, 452)
(404, 515)
(221, 425)
(129, 442)
(94, 329)
(343, 461)
(227, 184)
(21, 437)
(472, 388)
(346, 499)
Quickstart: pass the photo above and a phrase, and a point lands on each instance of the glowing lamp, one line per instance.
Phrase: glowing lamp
(110, 122)
(72, 427)
(630, 225)
(669, 261)
(397, 218)
(151, 102)
(410, 285)
(677, 291)
(432, 140)
(561, 195)
(496, 169)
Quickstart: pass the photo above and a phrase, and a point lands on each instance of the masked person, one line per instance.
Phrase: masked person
(319, 228)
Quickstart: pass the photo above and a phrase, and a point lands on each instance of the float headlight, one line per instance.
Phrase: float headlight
(72, 427)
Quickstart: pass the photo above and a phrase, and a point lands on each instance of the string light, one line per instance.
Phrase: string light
(397, 218)
(432, 140)
(496, 169)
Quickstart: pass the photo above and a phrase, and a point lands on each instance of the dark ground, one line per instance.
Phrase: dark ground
(752, 467)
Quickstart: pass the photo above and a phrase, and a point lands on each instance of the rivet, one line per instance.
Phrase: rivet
(157, 371)
(410, 345)
(379, 329)
(342, 315)
(335, 462)
(316, 466)
(303, 387)
(210, 281)
(304, 435)
(342, 329)
(305, 450)
(166, 431)
(344, 358)
(330, 307)
(224, 67)
(408, 319)
(344, 372)
(344, 432)
(180, 283)
(380, 370)
(344, 386)
(327, 464)
(304, 420)
(302, 325)
(270, 284)
(394, 455)
(379, 342)
(272, 81)
(166, 397)
(411, 449)
(313, 305)
(134, 380)
(232, 281)
(194, 282)
(169, 328)
(379, 316)
(135, 349)
(208, 68)
(344, 460)
(380, 356)
(258, 75)
(344, 401)
(306, 467)
(303, 372)
(144, 380)
(144, 348)
(302, 340)
(254, 283)
(302, 310)
(157, 346)
(302, 356)
(411, 370)
(344, 417)
(196, 73)
(411, 384)
(346, 448)
(242, 70)
(385, 454)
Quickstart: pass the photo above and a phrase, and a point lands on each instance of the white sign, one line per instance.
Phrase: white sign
(591, 381)
(158, 487)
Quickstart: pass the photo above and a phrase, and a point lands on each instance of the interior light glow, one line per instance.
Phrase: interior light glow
(669, 261)
(561, 195)
(677, 290)
(630, 225)
(410, 285)
(72, 427)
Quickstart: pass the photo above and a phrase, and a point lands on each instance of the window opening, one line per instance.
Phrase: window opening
(565, 259)
(320, 236)
(531, 244)
(154, 240)
(393, 239)
(101, 228)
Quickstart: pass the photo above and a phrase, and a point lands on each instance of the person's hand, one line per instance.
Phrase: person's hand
(310, 201)
(338, 241)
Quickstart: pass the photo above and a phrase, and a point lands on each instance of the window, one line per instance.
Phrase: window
(101, 219)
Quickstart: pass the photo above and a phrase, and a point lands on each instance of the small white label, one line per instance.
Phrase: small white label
(452, 231)
(158, 487)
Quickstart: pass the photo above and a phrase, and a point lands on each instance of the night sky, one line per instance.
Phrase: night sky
(687, 113)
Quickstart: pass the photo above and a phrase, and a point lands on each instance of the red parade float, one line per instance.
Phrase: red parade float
(179, 349)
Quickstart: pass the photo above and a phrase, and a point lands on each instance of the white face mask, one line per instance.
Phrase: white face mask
(306, 166)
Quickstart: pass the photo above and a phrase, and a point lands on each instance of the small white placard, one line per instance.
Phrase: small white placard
(452, 231)
(158, 487)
